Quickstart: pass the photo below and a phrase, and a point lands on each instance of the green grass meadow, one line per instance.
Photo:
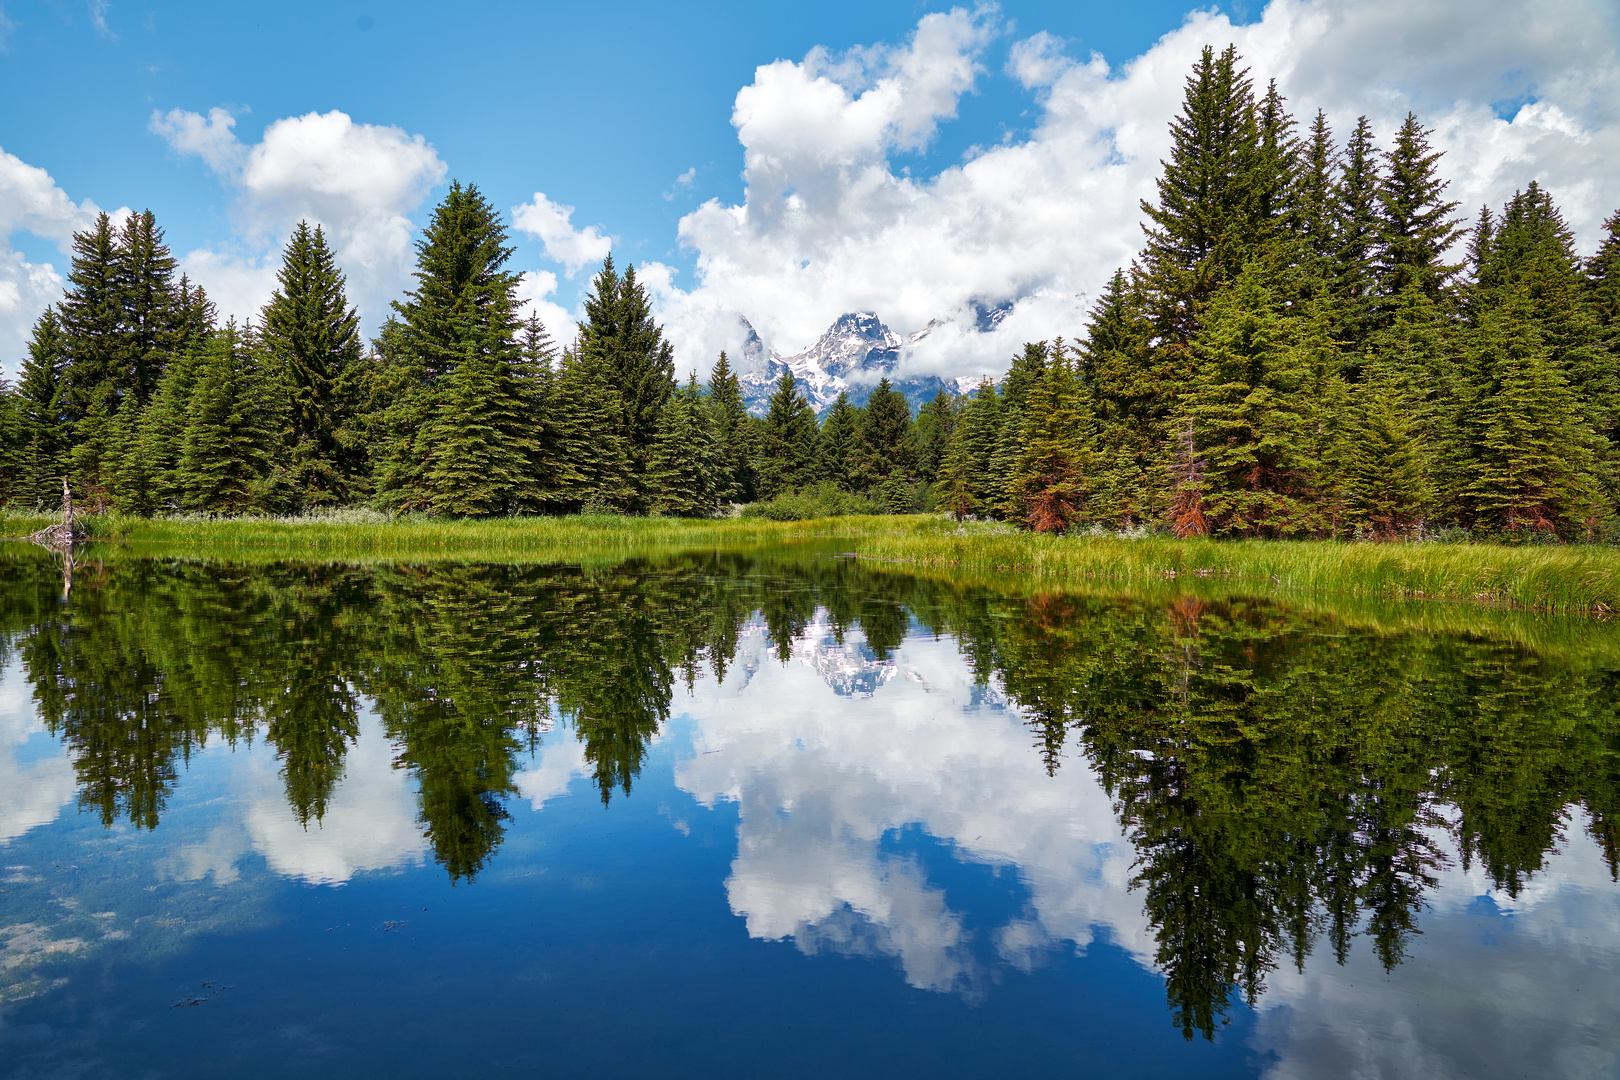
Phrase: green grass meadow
(1550, 578)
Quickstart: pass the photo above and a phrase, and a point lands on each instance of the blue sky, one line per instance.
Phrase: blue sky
(600, 106)
(903, 158)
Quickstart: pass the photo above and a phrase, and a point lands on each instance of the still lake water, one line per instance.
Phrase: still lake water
(790, 815)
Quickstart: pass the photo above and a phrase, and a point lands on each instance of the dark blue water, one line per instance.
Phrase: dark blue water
(853, 861)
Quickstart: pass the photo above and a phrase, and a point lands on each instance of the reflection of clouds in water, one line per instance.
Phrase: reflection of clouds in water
(560, 761)
(821, 779)
(32, 792)
(1527, 995)
(370, 821)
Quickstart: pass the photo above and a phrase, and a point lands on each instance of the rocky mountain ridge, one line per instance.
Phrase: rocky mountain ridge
(855, 352)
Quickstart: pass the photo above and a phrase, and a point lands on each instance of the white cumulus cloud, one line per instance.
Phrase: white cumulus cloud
(30, 201)
(360, 182)
(551, 223)
(829, 224)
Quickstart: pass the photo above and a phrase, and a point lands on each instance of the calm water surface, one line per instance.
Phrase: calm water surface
(790, 815)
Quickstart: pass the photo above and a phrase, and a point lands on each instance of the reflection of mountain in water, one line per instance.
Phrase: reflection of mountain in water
(850, 667)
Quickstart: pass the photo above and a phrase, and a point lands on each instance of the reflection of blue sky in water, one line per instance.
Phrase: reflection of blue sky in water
(1516, 987)
(915, 826)
(821, 780)
(36, 775)
(370, 821)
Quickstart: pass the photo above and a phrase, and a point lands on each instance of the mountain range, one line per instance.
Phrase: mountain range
(856, 351)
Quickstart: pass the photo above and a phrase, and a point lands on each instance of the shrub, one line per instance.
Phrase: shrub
(825, 499)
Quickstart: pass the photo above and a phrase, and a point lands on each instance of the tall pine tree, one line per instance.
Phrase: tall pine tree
(621, 338)
(231, 451)
(1416, 226)
(684, 467)
(442, 426)
(787, 445)
(729, 419)
(312, 336)
(46, 422)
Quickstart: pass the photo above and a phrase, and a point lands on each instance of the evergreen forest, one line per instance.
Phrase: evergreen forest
(1313, 341)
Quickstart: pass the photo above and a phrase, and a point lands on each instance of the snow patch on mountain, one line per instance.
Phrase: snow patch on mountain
(856, 351)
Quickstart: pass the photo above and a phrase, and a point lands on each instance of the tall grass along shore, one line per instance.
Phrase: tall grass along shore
(1570, 579)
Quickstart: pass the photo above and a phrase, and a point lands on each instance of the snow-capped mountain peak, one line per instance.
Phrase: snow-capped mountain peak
(853, 353)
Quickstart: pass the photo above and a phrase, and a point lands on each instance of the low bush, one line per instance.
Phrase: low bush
(822, 500)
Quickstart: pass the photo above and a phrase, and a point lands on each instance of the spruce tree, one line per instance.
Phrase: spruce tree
(536, 367)
(312, 336)
(1250, 417)
(1387, 482)
(683, 469)
(1532, 467)
(92, 315)
(42, 391)
(1357, 230)
(935, 422)
(1482, 260)
(1132, 393)
(1316, 216)
(151, 328)
(1528, 260)
(593, 462)
(1602, 273)
(729, 418)
(160, 436)
(231, 452)
(131, 484)
(955, 484)
(787, 446)
(1209, 194)
(1413, 361)
(1055, 463)
(463, 310)
(1026, 371)
(980, 434)
(620, 337)
(12, 445)
(94, 452)
(478, 448)
(840, 429)
(885, 443)
(1276, 172)
(1416, 226)
(194, 317)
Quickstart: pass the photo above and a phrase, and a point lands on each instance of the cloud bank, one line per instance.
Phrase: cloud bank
(830, 225)
(30, 201)
(360, 182)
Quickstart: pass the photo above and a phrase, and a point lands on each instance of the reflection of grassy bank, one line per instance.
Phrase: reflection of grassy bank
(1568, 579)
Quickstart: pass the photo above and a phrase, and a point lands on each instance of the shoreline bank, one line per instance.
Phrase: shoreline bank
(1553, 578)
